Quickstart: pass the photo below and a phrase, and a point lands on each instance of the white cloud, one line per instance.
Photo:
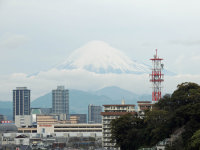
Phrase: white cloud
(12, 41)
(44, 82)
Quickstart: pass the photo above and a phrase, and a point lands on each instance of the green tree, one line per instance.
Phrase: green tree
(181, 110)
(195, 141)
(126, 131)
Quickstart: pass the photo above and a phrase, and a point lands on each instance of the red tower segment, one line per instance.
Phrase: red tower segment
(156, 77)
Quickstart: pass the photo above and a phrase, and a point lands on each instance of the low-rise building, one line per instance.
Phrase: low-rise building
(69, 129)
(22, 140)
(23, 120)
(46, 119)
(82, 118)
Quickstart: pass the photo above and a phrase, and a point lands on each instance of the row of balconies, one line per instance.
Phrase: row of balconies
(106, 135)
(110, 117)
(106, 126)
(119, 108)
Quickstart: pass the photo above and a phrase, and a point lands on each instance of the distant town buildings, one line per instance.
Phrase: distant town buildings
(21, 101)
(56, 121)
(82, 118)
(94, 114)
(60, 101)
(112, 112)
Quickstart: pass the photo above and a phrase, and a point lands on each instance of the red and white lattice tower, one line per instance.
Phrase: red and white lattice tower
(156, 77)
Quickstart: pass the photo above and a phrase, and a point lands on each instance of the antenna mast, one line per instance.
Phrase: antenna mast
(156, 77)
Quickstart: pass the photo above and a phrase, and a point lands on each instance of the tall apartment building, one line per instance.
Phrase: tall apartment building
(60, 101)
(21, 101)
(94, 114)
(112, 112)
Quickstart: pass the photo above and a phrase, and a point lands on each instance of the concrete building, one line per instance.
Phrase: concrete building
(74, 119)
(46, 119)
(21, 101)
(72, 130)
(22, 140)
(94, 114)
(112, 112)
(82, 118)
(23, 120)
(59, 140)
(60, 101)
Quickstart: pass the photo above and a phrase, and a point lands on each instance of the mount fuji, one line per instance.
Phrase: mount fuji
(101, 58)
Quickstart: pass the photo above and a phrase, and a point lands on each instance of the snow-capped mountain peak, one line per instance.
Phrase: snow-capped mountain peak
(99, 57)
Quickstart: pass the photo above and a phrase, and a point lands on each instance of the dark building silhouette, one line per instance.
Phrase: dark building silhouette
(21, 101)
(94, 114)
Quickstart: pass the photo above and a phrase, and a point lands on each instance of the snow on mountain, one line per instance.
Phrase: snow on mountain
(99, 57)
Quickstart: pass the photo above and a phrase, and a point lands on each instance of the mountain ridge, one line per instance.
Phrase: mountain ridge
(79, 100)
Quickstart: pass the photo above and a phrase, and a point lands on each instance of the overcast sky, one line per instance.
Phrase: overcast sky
(38, 34)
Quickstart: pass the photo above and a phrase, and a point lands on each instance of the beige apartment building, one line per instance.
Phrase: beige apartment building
(112, 112)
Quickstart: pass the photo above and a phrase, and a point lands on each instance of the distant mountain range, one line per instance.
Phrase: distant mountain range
(79, 100)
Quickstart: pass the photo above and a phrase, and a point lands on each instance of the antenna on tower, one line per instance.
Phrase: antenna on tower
(156, 77)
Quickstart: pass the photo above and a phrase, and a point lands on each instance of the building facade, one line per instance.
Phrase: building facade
(112, 112)
(94, 114)
(21, 101)
(60, 101)
(23, 120)
(82, 118)
(60, 129)
(143, 106)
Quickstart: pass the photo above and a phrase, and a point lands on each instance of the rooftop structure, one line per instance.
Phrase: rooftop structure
(8, 128)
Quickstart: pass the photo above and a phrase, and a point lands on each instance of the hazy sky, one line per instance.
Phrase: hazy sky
(38, 34)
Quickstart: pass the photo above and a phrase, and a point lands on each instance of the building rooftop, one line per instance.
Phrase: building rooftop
(36, 111)
(8, 128)
(119, 105)
(21, 88)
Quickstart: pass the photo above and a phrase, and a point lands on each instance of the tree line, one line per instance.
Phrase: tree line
(176, 114)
